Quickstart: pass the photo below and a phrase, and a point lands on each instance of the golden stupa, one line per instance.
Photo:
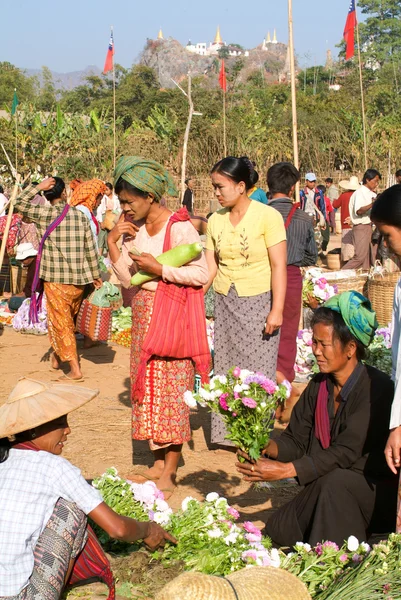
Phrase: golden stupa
(274, 37)
(268, 38)
(217, 39)
(160, 35)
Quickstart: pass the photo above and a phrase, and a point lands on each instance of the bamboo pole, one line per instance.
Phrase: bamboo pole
(186, 137)
(8, 222)
(13, 170)
(16, 140)
(114, 106)
(365, 142)
(293, 94)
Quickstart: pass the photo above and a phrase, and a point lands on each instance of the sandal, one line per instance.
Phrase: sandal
(66, 377)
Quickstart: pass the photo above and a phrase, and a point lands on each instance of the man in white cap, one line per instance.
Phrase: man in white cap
(312, 199)
(347, 243)
(26, 254)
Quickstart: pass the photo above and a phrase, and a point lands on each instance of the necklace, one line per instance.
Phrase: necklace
(154, 220)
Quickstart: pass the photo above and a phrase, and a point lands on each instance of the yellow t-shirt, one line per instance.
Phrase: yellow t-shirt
(242, 250)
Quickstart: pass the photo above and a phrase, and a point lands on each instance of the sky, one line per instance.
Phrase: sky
(72, 34)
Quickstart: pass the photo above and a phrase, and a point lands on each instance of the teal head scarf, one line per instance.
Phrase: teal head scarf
(146, 175)
(357, 313)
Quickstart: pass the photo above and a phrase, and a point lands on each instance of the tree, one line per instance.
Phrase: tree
(381, 31)
(12, 78)
(47, 93)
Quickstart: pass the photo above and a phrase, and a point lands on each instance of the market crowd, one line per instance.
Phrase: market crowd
(343, 440)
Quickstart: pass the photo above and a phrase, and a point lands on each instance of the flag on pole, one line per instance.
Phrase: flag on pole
(108, 65)
(349, 31)
(14, 104)
(222, 77)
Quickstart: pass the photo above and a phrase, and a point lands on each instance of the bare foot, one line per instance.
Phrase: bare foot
(151, 474)
(55, 362)
(167, 485)
(88, 343)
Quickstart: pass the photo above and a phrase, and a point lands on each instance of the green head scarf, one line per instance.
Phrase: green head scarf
(357, 313)
(146, 175)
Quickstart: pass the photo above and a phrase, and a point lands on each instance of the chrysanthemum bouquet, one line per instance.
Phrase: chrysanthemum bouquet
(305, 364)
(315, 285)
(247, 402)
(379, 353)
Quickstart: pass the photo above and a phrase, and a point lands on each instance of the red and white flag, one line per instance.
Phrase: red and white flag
(349, 31)
(222, 77)
(108, 65)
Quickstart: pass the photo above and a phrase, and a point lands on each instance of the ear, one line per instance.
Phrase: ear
(292, 191)
(351, 349)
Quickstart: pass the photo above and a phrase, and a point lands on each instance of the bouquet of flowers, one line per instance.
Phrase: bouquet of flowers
(305, 364)
(210, 334)
(379, 353)
(316, 286)
(247, 402)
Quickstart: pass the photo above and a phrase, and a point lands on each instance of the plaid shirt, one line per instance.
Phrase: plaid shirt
(69, 254)
(30, 485)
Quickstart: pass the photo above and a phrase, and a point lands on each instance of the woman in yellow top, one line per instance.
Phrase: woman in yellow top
(246, 251)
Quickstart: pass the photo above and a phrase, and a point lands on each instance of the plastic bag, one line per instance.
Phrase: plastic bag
(106, 296)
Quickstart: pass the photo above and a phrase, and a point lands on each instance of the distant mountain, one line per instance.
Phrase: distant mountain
(66, 81)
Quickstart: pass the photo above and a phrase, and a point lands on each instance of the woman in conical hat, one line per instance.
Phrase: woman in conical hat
(45, 541)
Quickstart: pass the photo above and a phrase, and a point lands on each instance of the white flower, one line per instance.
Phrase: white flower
(215, 533)
(145, 493)
(221, 503)
(238, 388)
(221, 378)
(162, 505)
(231, 538)
(212, 384)
(263, 405)
(212, 497)
(189, 399)
(275, 558)
(218, 393)
(352, 543)
(162, 518)
(244, 374)
(205, 394)
(186, 502)
(365, 547)
(209, 520)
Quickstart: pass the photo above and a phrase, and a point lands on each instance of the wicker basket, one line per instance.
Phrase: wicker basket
(381, 295)
(357, 283)
(333, 262)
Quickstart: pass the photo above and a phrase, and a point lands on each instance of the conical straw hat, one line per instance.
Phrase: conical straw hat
(33, 403)
(351, 184)
(261, 583)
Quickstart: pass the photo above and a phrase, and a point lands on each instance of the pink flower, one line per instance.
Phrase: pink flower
(343, 558)
(251, 528)
(223, 403)
(332, 545)
(236, 372)
(319, 549)
(253, 537)
(236, 395)
(233, 512)
(249, 402)
(269, 386)
(235, 415)
(249, 554)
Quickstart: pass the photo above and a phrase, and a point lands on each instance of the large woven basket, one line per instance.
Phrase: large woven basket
(358, 283)
(381, 295)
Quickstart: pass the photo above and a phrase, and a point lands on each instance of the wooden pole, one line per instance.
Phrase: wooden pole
(114, 109)
(186, 137)
(16, 140)
(365, 142)
(13, 170)
(8, 222)
(293, 94)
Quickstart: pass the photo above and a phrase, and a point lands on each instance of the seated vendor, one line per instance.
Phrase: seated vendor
(45, 541)
(334, 444)
(26, 254)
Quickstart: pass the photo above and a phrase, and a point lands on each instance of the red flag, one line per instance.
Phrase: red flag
(222, 77)
(349, 31)
(108, 65)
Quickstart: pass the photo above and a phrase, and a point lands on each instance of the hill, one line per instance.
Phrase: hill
(66, 81)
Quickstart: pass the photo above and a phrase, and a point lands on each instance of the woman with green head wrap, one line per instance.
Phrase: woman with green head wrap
(334, 444)
(162, 417)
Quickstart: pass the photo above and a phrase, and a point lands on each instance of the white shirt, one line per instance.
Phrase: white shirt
(362, 197)
(395, 420)
(30, 485)
(92, 224)
(108, 203)
(310, 206)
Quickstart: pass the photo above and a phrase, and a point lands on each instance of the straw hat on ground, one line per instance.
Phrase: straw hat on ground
(33, 403)
(350, 184)
(262, 583)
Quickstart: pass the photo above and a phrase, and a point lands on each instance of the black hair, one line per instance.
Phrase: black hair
(187, 180)
(55, 192)
(328, 180)
(209, 215)
(387, 207)
(1, 189)
(370, 174)
(124, 186)
(281, 177)
(237, 169)
(341, 332)
(109, 185)
(5, 446)
(398, 173)
(322, 188)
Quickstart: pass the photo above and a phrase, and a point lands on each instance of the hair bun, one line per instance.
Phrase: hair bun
(249, 163)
